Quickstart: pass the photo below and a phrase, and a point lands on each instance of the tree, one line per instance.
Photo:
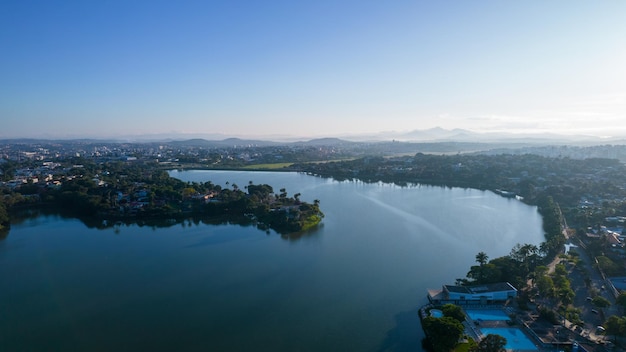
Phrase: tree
(566, 295)
(443, 333)
(545, 285)
(509, 270)
(527, 256)
(453, 311)
(491, 343)
(621, 299)
(541, 270)
(615, 326)
(485, 274)
(608, 266)
(261, 191)
(560, 270)
(4, 216)
(188, 192)
(481, 258)
(600, 302)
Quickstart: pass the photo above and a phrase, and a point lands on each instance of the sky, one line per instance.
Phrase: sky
(311, 68)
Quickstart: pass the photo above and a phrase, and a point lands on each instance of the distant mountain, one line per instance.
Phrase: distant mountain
(439, 134)
(325, 142)
(427, 135)
(235, 142)
(238, 142)
(431, 135)
(225, 143)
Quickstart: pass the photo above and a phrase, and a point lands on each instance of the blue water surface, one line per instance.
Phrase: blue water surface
(487, 314)
(353, 284)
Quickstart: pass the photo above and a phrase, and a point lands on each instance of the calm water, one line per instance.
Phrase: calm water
(354, 284)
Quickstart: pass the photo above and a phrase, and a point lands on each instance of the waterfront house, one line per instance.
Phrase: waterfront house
(469, 295)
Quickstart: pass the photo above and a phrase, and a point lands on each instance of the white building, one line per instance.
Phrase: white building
(465, 295)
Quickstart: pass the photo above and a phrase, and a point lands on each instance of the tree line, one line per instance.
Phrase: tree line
(120, 190)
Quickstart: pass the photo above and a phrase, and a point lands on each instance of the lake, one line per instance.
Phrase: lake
(353, 284)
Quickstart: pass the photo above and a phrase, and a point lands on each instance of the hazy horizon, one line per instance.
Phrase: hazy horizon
(312, 69)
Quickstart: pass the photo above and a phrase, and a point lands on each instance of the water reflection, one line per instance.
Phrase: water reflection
(32, 215)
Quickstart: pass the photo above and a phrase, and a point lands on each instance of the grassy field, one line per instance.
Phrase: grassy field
(266, 166)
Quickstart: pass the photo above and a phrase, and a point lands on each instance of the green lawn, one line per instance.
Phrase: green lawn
(267, 166)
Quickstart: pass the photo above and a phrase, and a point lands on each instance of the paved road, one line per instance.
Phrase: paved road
(588, 312)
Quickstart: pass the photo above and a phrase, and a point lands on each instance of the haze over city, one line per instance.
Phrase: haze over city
(310, 68)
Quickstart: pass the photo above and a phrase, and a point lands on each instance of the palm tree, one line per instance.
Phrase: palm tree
(482, 258)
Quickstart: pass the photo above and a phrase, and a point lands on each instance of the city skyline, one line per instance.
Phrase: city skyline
(310, 69)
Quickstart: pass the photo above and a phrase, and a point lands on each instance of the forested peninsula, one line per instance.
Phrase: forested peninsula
(105, 194)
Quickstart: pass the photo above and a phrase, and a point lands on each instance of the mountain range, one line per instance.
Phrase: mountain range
(432, 135)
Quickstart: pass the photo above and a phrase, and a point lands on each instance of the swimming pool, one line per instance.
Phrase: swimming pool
(487, 314)
(436, 313)
(515, 338)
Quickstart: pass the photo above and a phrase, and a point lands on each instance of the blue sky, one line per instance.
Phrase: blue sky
(310, 68)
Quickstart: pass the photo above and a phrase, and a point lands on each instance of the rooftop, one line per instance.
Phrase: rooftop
(496, 287)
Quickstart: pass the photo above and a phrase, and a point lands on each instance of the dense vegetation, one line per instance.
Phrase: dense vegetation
(442, 333)
(4, 217)
(122, 191)
(532, 177)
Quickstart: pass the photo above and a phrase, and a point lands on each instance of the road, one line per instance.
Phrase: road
(579, 277)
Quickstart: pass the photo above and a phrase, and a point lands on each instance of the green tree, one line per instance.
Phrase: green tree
(4, 216)
(261, 191)
(545, 285)
(527, 256)
(453, 311)
(482, 258)
(621, 299)
(609, 266)
(601, 302)
(485, 274)
(566, 295)
(443, 333)
(188, 192)
(491, 343)
(615, 326)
